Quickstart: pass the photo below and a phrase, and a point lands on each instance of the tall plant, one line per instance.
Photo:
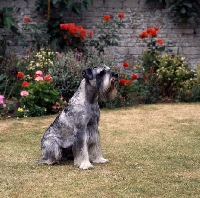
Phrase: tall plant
(54, 10)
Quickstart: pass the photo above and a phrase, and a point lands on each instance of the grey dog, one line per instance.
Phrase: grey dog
(75, 130)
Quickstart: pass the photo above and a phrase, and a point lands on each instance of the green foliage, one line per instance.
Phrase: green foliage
(107, 32)
(173, 74)
(151, 1)
(189, 95)
(58, 9)
(6, 19)
(184, 9)
(6, 25)
(9, 85)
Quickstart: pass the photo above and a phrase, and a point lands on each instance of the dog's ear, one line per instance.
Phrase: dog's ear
(87, 73)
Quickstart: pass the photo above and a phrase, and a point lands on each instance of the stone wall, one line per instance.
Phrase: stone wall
(139, 16)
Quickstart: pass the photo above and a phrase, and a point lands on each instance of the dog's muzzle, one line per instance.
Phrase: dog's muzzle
(114, 78)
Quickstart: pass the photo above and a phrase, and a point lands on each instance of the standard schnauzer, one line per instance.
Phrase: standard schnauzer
(75, 130)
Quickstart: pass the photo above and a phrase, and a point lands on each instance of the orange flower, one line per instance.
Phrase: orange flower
(27, 19)
(153, 33)
(149, 31)
(160, 41)
(106, 17)
(82, 34)
(143, 35)
(121, 15)
(125, 64)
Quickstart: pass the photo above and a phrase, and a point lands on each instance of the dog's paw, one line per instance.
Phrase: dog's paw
(100, 160)
(86, 165)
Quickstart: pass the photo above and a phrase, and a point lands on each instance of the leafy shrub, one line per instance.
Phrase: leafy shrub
(38, 99)
(173, 73)
(68, 67)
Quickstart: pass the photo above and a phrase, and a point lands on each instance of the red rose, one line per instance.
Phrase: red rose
(149, 31)
(125, 64)
(123, 81)
(25, 84)
(143, 35)
(160, 41)
(128, 82)
(20, 75)
(27, 19)
(156, 28)
(48, 78)
(134, 76)
(121, 15)
(106, 17)
(153, 33)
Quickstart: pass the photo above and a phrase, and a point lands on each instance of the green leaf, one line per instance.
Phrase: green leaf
(55, 1)
(188, 4)
(89, 2)
(83, 6)
(183, 10)
(2, 76)
(8, 22)
(76, 9)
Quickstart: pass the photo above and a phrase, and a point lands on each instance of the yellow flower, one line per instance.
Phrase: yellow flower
(20, 109)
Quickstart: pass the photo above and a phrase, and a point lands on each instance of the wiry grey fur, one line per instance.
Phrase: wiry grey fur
(75, 129)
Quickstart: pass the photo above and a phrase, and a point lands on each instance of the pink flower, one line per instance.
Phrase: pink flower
(24, 93)
(39, 78)
(1, 99)
(39, 73)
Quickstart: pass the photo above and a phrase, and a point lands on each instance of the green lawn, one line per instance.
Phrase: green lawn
(153, 151)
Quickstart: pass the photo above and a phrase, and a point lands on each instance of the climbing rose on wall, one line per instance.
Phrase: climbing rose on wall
(143, 35)
(121, 15)
(160, 41)
(27, 19)
(125, 64)
(106, 17)
(149, 32)
(75, 31)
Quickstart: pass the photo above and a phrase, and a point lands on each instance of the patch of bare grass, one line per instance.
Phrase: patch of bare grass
(153, 152)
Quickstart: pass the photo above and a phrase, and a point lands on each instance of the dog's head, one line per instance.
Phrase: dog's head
(105, 81)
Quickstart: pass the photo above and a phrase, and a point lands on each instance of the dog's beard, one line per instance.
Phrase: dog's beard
(109, 92)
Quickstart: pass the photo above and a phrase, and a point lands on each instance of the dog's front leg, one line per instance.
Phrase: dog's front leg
(95, 152)
(80, 151)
